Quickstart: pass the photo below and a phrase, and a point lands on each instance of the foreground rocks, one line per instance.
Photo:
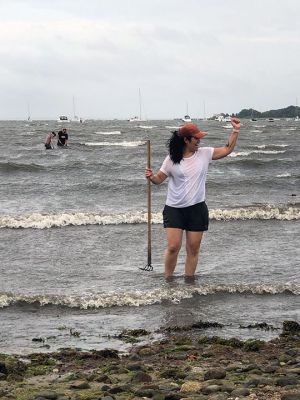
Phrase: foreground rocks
(182, 366)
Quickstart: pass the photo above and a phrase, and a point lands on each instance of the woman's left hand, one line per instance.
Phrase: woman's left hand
(236, 123)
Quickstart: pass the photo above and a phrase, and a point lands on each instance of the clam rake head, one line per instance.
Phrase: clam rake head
(148, 267)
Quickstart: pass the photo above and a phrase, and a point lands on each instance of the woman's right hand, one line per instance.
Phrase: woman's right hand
(148, 173)
(236, 123)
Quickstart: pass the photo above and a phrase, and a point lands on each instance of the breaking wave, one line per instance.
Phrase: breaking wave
(143, 298)
(247, 153)
(108, 133)
(122, 144)
(44, 221)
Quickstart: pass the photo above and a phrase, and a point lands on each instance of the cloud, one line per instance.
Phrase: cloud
(175, 51)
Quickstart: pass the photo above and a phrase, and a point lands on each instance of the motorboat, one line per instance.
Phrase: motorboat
(63, 118)
(219, 118)
(186, 118)
(135, 119)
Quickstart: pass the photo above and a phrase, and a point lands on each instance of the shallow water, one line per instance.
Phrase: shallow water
(74, 234)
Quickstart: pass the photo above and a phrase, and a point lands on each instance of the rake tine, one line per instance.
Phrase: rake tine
(147, 268)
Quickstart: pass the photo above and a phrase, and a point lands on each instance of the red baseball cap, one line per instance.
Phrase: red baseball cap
(189, 130)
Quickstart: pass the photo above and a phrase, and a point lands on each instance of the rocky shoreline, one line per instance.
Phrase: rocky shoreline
(183, 365)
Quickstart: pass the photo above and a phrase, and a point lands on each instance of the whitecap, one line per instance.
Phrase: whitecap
(46, 221)
(122, 144)
(138, 298)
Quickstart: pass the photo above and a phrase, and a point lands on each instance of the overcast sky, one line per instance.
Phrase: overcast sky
(227, 55)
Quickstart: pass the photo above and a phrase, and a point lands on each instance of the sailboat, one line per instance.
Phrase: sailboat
(297, 119)
(28, 113)
(75, 117)
(187, 118)
(138, 118)
(252, 117)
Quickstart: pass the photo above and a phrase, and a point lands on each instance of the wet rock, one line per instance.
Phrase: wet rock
(227, 387)
(118, 389)
(146, 351)
(240, 392)
(79, 385)
(173, 373)
(168, 386)
(249, 367)
(47, 394)
(270, 369)
(294, 371)
(234, 367)
(141, 377)
(2, 376)
(218, 396)
(253, 345)
(173, 396)
(158, 396)
(145, 393)
(133, 333)
(103, 378)
(291, 396)
(191, 386)
(287, 381)
(217, 373)
(252, 383)
(292, 352)
(3, 369)
(211, 389)
(290, 330)
(134, 367)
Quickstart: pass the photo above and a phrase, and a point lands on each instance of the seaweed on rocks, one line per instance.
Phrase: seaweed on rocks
(197, 325)
(262, 325)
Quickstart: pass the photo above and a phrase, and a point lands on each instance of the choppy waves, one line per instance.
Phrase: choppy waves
(10, 166)
(44, 221)
(139, 298)
(247, 153)
(121, 144)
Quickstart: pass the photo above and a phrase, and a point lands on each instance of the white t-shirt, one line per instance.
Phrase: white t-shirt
(187, 179)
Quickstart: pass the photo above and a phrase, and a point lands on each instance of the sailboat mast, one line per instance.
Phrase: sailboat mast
(74, 111)
(28, 112)
(140, 103)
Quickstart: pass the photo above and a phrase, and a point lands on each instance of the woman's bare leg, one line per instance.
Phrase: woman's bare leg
(193, 241)
(174, 241)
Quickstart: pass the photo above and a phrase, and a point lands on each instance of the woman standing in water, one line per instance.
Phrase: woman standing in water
(186, 167)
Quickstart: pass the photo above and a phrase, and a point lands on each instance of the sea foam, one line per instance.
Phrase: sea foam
(44, 221)
(138, 298)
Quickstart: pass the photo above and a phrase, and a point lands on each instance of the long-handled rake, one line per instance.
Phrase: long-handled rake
(148, 266)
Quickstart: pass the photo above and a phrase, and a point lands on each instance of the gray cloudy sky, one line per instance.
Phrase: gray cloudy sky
(229, 54)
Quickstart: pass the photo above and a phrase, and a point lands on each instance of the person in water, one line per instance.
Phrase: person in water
(63, 138)
(186, 167)
(49, 140)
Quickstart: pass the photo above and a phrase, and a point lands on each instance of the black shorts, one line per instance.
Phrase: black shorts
(194, 218)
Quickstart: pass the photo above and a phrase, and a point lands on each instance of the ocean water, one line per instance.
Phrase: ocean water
(73, 235)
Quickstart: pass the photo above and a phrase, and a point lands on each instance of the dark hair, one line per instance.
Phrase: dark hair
(176, 146)
(53, 133)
